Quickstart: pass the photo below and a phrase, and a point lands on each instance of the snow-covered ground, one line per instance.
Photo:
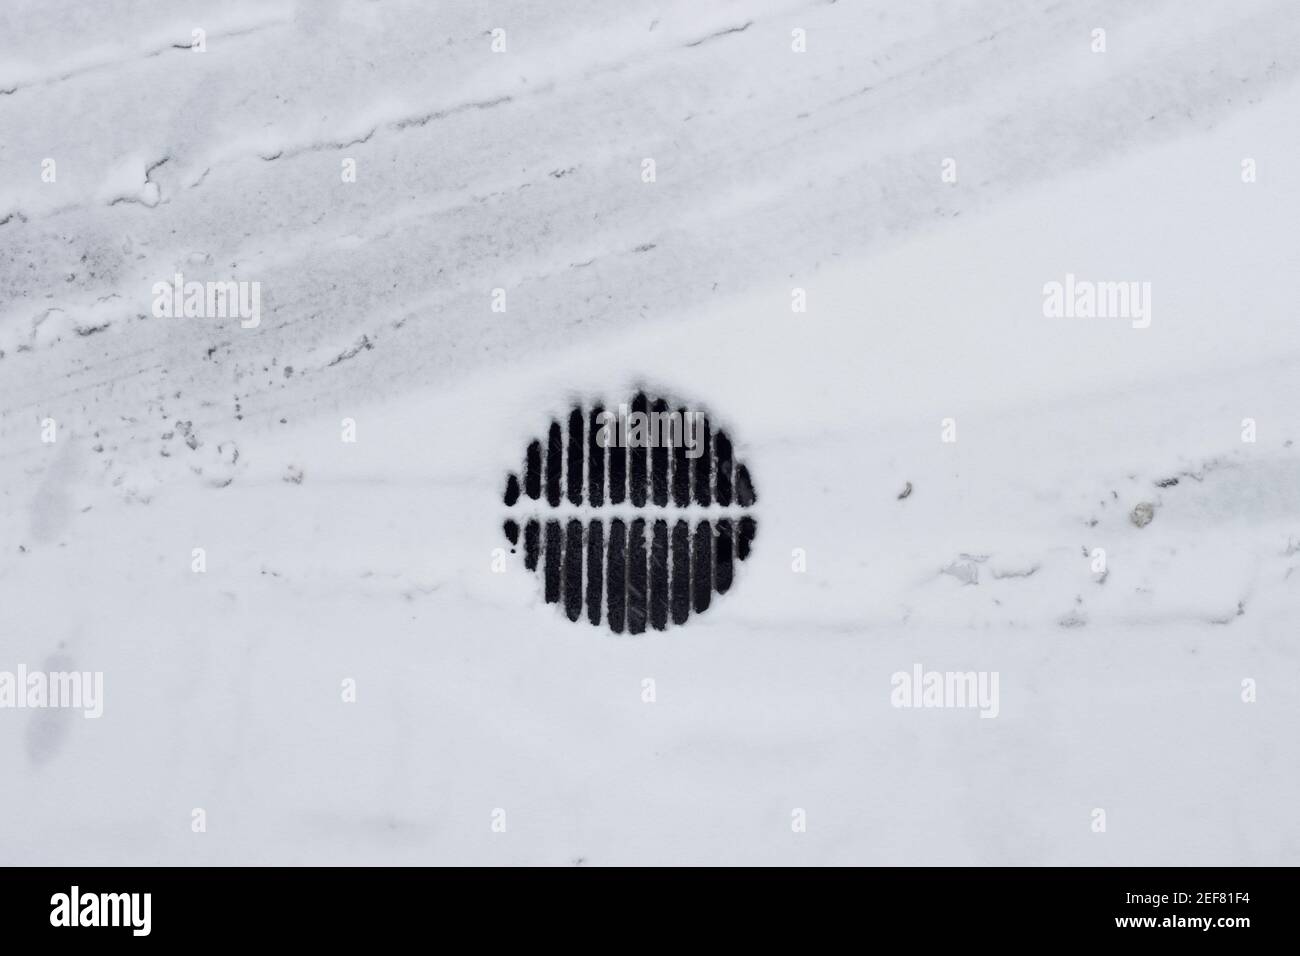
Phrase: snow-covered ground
(372, 561)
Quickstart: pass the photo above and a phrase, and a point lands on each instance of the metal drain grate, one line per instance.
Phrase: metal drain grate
(636, 533)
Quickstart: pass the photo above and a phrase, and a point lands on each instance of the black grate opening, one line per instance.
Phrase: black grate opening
(633, 531)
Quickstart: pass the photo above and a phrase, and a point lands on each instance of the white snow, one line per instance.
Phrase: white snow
(1120, 691)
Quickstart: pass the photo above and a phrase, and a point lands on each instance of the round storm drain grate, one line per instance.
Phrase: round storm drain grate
(635, 515)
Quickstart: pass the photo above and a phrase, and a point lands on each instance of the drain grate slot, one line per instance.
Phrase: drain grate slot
(552, 571)
(747, 531)
(531, 547)
(659, 577)
(617, 475)
(681, 572)
(702, 568)
(595, 569)
(595, 461)
(722, 570)
(744, 490)
(636, 577)
(639, 455)
(659, 463)
(617, 575)
(577, 443)
(554, 454)
(532, 473)
(723, 477)
(573, 569)
(703, 467)
(683, 470)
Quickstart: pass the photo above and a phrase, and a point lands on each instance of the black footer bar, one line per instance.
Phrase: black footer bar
(550, 906)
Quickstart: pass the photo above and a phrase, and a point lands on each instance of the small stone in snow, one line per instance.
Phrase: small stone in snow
(1143, 514)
